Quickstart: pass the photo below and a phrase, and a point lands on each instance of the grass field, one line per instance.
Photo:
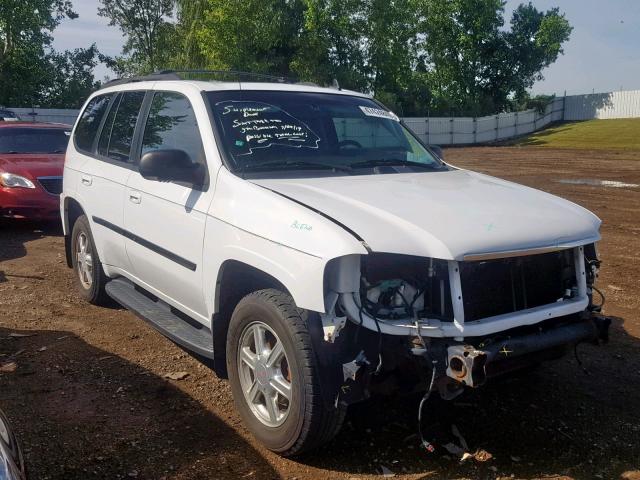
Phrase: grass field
(616, 134)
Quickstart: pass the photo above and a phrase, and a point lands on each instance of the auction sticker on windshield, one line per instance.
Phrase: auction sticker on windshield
(380, 113)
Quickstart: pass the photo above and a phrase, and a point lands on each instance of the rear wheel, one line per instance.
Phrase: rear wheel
(273, 375)
(89, 277)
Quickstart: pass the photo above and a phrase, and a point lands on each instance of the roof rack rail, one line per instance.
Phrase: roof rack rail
(236, 74)
(142, 78)
(207, 76)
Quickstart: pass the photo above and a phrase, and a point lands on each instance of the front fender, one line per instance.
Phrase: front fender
(302, 274)
(288, 241)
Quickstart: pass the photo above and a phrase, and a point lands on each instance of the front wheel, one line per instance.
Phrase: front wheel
(274, 375)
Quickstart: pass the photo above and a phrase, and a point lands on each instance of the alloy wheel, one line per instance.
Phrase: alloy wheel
(264, 374)
(84, 260)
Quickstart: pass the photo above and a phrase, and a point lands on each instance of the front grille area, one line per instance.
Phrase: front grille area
(507, 285)
(52, 185)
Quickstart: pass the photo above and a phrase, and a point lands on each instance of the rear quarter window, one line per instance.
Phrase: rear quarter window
(89, 122)
(117, 133)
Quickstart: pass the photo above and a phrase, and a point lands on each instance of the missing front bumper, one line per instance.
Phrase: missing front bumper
(471, 365)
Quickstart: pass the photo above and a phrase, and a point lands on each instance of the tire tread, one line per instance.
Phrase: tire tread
(320, 424)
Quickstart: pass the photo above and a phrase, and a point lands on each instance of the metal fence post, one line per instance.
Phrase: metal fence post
(33, 113)
(475, 130)
(428, 132)
(497, 125)
(451, 130)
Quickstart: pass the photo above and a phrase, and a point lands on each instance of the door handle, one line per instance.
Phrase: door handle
(86, 180)
(135, 197)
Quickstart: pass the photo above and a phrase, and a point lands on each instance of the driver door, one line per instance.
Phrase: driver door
(167, 219)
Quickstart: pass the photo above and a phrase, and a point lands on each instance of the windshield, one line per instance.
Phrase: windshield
(33, 140)
(283, 131)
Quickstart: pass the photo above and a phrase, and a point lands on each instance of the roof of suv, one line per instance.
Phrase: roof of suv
(218, 80)
(151, 83)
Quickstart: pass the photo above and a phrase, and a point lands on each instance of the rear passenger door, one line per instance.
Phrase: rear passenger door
(167, 219)
(104, 174)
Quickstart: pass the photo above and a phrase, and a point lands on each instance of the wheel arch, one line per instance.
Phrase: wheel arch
(72, 211)
(236, 279)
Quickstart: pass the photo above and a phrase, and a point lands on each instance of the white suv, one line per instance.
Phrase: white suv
(303, 242)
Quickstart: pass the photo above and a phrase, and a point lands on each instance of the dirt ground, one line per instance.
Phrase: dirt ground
(89, 399)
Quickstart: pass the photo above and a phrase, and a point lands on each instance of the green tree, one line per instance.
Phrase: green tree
(149, 33)
(25, 37)
(70, 78)
(189, 54)
(417, 56)
(535, 42)
(331, 43)
(253, 35)
(474, 65)
(368, 45)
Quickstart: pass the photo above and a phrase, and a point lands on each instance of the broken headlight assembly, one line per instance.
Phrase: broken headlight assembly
(405, 287)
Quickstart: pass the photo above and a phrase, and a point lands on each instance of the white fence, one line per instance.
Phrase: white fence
(603, 105)
(55, 115)
(464, 130)
(469, 130)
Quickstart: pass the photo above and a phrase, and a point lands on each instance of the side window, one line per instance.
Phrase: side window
(117, 133)
(89, 122)
(105, 135)
(172, 125)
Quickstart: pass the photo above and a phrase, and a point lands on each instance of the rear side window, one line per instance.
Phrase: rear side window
(89, 122)
(105, 135)
(117, 133)
(172, 125)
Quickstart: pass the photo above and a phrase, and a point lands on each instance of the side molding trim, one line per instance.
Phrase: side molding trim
(146, 243)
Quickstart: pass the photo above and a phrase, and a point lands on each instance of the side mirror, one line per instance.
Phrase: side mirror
(170, 165)
(437, 150)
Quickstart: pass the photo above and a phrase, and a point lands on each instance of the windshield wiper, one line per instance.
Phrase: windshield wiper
(293, 165)
(393, 162)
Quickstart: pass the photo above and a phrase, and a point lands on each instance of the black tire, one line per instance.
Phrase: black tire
(309, 422)
(94, 292)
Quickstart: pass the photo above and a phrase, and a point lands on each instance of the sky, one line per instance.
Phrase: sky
(602, 55)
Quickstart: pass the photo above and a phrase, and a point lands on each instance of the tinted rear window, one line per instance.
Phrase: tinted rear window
(89, 122)
(33, 140)
(117, 133)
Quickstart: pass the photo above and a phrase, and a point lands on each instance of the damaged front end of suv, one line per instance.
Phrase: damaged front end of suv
(403, 322)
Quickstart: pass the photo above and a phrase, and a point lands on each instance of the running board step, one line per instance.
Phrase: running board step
(178, 327)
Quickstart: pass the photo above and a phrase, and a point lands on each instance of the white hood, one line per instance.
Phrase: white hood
(443, 214)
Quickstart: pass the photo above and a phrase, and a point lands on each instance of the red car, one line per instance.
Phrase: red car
(31, 165)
